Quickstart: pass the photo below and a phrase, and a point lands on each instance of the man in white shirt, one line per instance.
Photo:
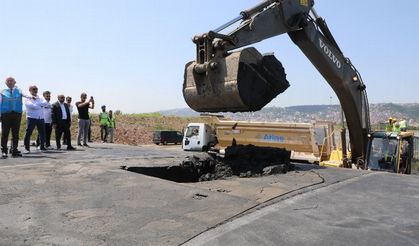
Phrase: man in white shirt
(47, 120)
(35, 118)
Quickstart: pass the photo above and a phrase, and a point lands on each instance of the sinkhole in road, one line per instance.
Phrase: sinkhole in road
(177, 174)
(239, 160)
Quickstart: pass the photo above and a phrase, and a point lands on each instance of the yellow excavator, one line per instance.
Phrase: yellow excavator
(225, 77)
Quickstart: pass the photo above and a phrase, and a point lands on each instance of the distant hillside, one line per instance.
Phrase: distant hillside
(306, 113)
(183, 112)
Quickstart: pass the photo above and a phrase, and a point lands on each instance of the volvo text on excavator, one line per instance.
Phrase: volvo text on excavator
(225, 79)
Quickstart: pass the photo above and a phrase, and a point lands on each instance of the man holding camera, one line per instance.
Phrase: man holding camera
(84, 120)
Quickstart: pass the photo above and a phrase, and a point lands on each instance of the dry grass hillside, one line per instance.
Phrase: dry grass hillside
(134, 129)
(131, 129)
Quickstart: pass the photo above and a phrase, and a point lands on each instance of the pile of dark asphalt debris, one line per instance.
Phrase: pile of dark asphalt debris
(239, 160)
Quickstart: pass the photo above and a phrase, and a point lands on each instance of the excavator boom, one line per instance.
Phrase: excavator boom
(223, 78)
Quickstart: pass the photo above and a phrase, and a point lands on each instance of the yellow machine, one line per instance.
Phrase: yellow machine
(229, 76)
(312, 142)
(392, 151)
(337, 159)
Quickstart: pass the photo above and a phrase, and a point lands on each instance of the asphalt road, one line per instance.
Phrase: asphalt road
(83, 197)
(375, 209)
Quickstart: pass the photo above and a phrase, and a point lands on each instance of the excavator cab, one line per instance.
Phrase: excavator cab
(391, 152)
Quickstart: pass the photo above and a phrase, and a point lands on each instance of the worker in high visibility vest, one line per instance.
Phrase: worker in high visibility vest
(389, 126)
(111, 126)
(403, 125)
(103, 121)
(396, 127)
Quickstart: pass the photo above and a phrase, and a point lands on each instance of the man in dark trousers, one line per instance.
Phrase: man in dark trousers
(103, 121)
(47, 111)
(61, 121)
(84, 121)
(11, 115)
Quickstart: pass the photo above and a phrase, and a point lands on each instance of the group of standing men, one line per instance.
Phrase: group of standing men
(41, 114)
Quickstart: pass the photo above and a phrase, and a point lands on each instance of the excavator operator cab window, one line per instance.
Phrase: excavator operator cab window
(383, 154)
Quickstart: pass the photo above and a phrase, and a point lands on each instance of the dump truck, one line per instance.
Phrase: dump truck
(229, 76)
(311, 142)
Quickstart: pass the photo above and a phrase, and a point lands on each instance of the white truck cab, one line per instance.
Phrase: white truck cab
(198, 137)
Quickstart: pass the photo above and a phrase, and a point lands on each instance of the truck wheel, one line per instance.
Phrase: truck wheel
(205, 148)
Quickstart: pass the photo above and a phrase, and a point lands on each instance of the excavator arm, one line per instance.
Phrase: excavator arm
(224, 79)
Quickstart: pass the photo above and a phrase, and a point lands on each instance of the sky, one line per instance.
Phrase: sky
(130, 54)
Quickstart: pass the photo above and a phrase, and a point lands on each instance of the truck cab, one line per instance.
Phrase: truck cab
(198, 137)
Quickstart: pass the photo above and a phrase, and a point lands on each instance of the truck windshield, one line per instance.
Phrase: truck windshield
(192, 131)
(383, 154)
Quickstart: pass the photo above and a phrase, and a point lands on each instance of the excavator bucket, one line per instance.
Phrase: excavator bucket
(243, 81)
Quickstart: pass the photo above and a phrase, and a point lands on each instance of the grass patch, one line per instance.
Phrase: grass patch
(131, 129)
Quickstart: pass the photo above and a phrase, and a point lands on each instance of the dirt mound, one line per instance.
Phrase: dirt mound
(239, 160)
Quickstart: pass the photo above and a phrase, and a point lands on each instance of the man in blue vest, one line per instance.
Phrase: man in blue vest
(11, 115)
